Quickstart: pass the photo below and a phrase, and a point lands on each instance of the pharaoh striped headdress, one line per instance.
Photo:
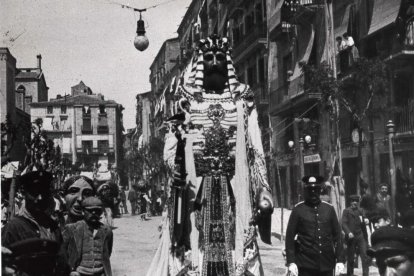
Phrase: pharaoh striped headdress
(212, 43)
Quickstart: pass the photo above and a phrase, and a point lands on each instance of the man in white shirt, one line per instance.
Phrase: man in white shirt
(349, 41)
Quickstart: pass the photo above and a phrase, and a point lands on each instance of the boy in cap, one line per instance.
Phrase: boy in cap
(393, 249)
(88, 243)
(353, 224)
(318, 245)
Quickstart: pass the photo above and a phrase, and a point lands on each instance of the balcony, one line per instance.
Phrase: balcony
(253, 37)
(345, 61)
(404, 119)
(87, 129)
(405, 51)
(103, 129)
(303, 10)
(311, 3)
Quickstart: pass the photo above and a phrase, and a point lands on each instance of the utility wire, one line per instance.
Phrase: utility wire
(139, 10)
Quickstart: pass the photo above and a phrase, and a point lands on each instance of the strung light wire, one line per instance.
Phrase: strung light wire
(139, 10)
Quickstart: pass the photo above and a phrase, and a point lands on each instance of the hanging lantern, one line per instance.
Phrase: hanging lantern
(141, 41)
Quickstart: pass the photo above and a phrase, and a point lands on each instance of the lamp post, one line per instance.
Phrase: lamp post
(391, 132)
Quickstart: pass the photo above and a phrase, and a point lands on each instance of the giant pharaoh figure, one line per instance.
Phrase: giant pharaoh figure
(225, 168)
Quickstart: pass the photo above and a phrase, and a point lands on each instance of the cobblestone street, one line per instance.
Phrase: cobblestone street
(136, 241)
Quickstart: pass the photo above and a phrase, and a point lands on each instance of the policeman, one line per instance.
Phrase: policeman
(318, 245)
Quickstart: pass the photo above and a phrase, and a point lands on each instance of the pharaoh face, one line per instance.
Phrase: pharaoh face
(215, 70)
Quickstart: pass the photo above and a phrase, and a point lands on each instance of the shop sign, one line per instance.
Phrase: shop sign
(314, 158)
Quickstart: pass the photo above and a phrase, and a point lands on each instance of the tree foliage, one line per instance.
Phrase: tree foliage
(365, 92)
(147, 159)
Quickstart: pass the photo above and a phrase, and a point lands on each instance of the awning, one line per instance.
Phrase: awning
(306, 37)
(341, 21)
(276, 17)
(223, 18)
(384, 13)
(323, 38)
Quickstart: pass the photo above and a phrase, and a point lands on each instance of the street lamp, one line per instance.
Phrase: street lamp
(391, 131)
(141, 41)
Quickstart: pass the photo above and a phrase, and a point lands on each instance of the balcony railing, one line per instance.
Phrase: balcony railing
(103, 129)
(244, 41)
(404, 119)
(87, 129)
(345, 60)
(311, 2)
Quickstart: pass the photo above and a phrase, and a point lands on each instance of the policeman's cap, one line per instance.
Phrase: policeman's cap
(36, 182)
(313, 181)
(391, 239)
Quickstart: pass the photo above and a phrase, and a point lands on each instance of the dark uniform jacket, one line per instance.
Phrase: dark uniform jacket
(21, 228)
(72, 244)
(318, 245)
(352, 223)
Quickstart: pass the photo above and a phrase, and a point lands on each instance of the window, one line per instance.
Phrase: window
(50, 110)
(63, 122)
(262, 70)
(87, 125)
(86, 110)
(63, 109)
(287, 68)
(103, 146)
(251, 75)
(102, 109)
(87, 147)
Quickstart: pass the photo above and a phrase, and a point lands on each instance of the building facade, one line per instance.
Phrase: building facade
(13, 107)
(87, 127)
(300, 32)
(163, 80)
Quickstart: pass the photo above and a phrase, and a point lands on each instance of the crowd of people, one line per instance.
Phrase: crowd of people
(67, 232)
(318, 244)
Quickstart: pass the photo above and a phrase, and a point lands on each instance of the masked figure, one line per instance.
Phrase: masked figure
(224, 188)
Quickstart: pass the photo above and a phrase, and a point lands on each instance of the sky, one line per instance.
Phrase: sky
(89, 40)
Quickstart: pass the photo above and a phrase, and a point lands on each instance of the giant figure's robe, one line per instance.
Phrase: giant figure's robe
(226, 170)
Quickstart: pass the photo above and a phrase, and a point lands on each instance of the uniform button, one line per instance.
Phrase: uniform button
(320, 245)
(319, 229)
(320, 237)
(317, 214)
(320, 252)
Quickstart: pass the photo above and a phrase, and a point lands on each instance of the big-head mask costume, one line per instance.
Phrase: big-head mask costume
(213, 67)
